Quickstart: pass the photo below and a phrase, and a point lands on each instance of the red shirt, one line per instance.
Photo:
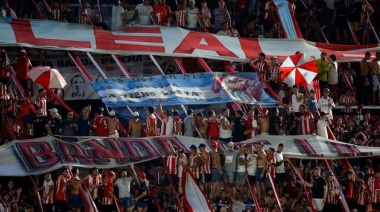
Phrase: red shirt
(261, 67)
(161, 13)
(22, 68)
(25, 107)
(213, 129)
(270, 8)
(100, 123)
(151, 121)
(107, 199)
(60, 188)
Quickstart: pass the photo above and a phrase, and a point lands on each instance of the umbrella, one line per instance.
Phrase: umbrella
(298, 69)
(47, 77)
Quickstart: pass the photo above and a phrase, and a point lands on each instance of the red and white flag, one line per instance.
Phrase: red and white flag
(193, 198)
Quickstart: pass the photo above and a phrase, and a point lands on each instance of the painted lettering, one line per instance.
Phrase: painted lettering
(37, 155)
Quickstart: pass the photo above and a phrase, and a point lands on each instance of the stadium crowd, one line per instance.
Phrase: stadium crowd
(221, 175)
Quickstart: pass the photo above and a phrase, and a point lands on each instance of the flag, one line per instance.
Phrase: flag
(193, 198)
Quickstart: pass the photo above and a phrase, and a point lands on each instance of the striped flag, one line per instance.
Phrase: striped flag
(193, 198)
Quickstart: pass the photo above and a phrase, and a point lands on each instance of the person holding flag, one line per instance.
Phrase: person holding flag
(109, 197)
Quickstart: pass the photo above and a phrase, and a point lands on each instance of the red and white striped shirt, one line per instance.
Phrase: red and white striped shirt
(373, 185)
(361, 194)
(261, 67)
(306, 120)
(56, 13)
(195, 170)
(367, 10)
(206, 13)
(271, 170)
(107, 198)
(180, 17)
(331, 192)
(41, 103)
(171, 163)
(61, 188)
(292, 8)
(151, 121)
(93, 184)
(274, 70)
(83, 16)
(48, 192)
(206, 167)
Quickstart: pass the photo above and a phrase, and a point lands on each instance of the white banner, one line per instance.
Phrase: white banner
(163, 41)
(37, 156)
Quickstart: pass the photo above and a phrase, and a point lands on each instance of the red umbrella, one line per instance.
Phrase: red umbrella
(298, 69)
(47, 77)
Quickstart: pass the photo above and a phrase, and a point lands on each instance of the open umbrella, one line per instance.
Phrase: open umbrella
(47, 77)
(298, 69)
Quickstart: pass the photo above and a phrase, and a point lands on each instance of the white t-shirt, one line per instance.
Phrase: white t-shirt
(144, 14)
(124, 185)
(117, 21)
(241, 168)
(322, 128)
(324, 106)
(333, 74)
(222, 132)
(279, 157)
(295, 104)
(129, 14)
(252, 165)
(192, 17)
(254, 125)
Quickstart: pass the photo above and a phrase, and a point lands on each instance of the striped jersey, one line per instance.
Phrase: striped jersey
(206, 168)
(48, 196)
(171, 164)
(60, 188)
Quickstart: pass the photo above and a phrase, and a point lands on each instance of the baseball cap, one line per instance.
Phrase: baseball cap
(262, 54)
(360, 175)
(323, 113)
(328, 174)
(201, 145)
(180, 150)
(324, 53)
(193, 147)
(230, 144)
(55, 110)
(326, 90)
(142, 175)
(112, 113)
(274, 57)
(214, 143)
(312, 91)
(135, 114)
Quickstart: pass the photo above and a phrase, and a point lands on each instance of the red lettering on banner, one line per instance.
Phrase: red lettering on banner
(193, 41)
(72, 152)
(250, 47)
(304, 146)
(24, 34)
(103, 153)
(37, 155)
(163, 145)
(138, 148)
(108, 41)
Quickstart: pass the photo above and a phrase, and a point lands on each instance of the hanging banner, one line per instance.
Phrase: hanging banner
(38, 156)
(188, 89)
(78, 87)
(163, 41)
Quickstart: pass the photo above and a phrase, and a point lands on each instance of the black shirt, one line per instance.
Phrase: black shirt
(317, 188)
(273, 121)
(39, 126)
(289, 119)
(239, 128)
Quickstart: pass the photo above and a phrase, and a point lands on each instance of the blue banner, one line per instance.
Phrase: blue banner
(186, 89)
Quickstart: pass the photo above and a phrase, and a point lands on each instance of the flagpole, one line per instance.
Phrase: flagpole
(38, 193)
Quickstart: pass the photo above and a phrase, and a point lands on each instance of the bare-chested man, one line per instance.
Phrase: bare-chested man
(264, 123)
(182, 164)
(113, 125)
(260, 171)
(216, 169)
(75, 198)
(135, 126)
